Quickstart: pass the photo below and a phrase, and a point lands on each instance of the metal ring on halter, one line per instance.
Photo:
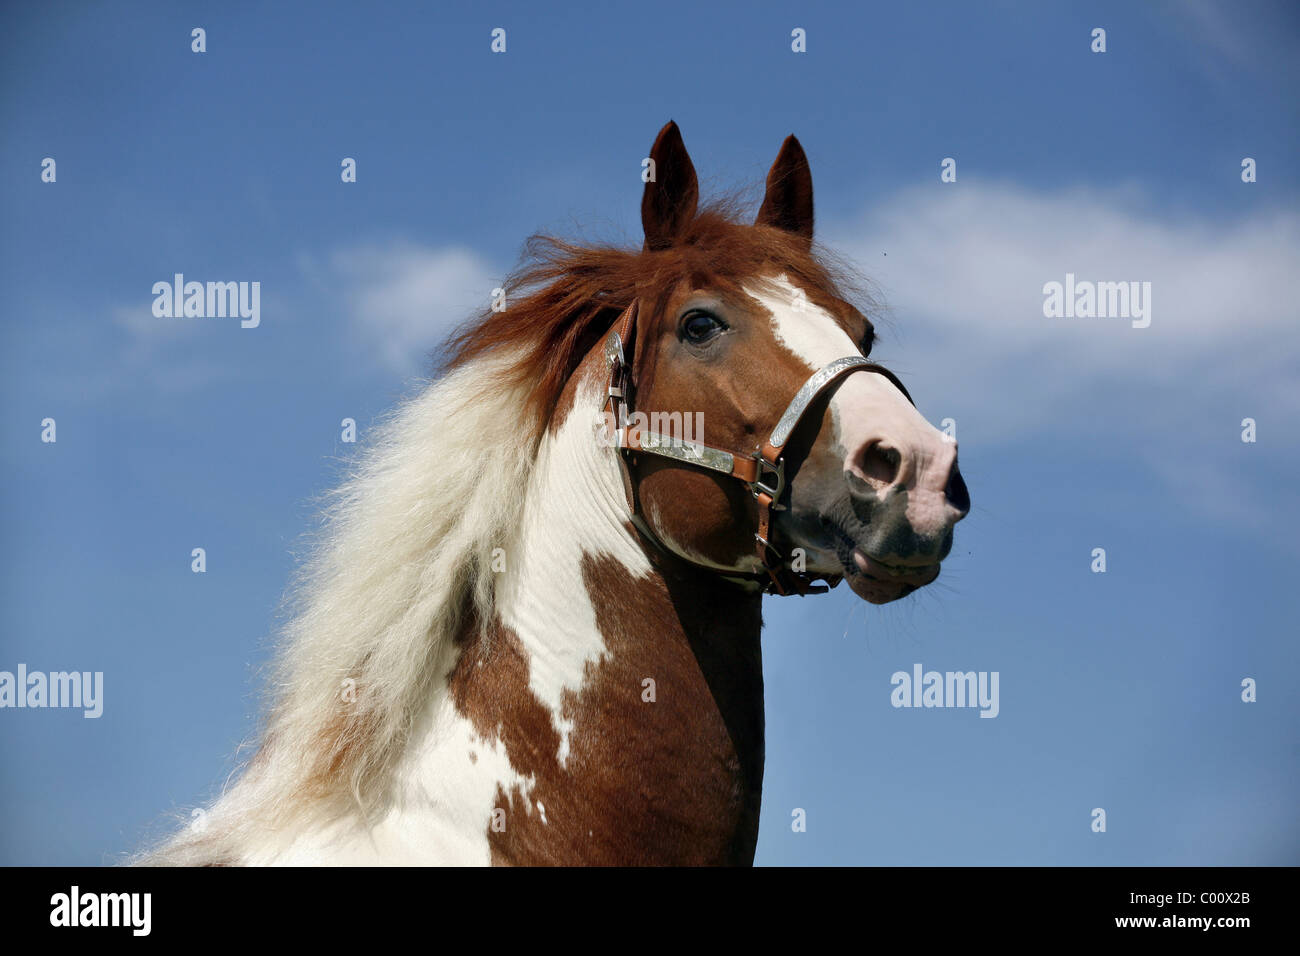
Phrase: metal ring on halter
(758, 487)
(767, 544)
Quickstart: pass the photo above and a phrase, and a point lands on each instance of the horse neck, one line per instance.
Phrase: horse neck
(617, 700)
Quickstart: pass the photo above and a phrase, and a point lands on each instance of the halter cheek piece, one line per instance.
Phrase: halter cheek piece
(763, 471)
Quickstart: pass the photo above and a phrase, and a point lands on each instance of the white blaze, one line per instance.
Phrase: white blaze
(865, 407)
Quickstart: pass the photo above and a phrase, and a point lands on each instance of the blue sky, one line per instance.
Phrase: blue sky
(1118, 690)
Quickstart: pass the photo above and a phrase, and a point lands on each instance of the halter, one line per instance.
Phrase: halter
(762, 471)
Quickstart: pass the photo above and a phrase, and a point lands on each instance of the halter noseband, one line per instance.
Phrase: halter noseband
(763, 471)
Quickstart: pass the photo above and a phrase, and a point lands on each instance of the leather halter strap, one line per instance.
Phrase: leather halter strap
(762, 470)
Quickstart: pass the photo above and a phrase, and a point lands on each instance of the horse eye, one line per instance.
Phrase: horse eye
(700, 327)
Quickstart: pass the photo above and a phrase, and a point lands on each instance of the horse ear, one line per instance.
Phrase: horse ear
(788, 204)
(672, 192)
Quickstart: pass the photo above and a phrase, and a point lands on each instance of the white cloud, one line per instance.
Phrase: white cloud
(404, 298)
(159, 355)
(962, 269)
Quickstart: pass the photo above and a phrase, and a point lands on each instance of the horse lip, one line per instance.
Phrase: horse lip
(860, 564)
(901, 574)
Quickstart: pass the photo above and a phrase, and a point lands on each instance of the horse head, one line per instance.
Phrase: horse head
(742, 329)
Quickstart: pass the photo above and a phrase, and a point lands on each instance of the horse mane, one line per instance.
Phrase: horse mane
(402, 563)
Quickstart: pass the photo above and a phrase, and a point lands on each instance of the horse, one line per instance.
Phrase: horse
(530, 630)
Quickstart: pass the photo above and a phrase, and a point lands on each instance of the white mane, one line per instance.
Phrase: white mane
(404, 558)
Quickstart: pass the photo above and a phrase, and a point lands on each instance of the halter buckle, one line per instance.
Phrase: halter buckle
(774, 490)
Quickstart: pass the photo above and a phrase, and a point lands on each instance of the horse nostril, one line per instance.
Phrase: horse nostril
(956, 493)
(880, 463)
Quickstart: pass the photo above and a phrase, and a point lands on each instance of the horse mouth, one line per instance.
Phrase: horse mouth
(917, 575)
(880, 582)
(874, 579)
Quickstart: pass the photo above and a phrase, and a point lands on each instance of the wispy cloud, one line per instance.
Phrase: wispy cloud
(404, 298)
(962, 269)
(1237, 33)
(132, 351)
